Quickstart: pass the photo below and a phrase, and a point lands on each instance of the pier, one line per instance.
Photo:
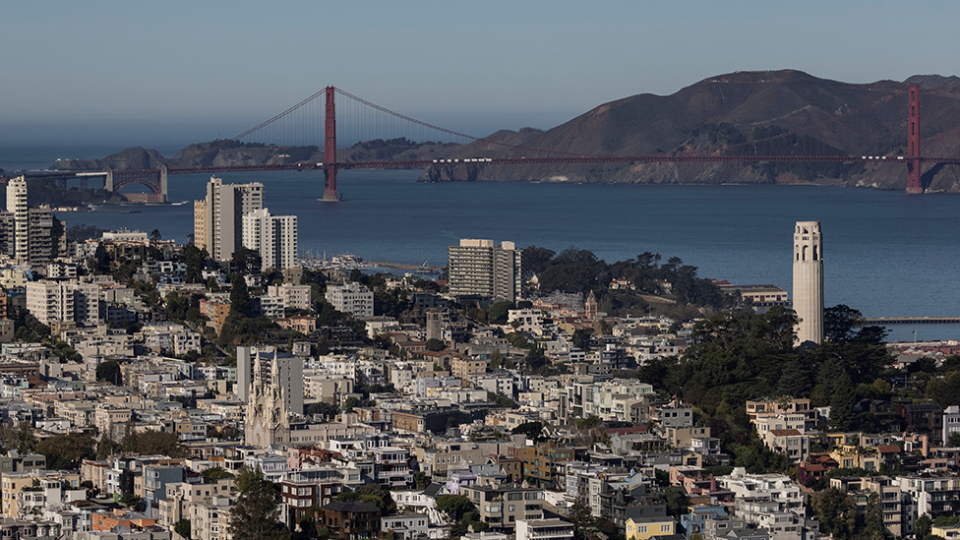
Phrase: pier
(882, 321)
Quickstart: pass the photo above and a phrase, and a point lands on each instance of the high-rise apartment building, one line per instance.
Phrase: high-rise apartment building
(17, 205)
(218, 219)
(478, 267)
(273, 237)
(808, 281)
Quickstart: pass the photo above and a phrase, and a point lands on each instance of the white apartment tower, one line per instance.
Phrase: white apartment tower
(17, 206)
(273, 237)
(478, 267)
(808, 281)
(218, 219)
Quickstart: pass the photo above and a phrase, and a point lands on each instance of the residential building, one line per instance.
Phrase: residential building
(273, 237)
(503, 505)
(643, 528)
(478, 267)
(351, 297)
(64, 301)
(544, 529)
(351, 520)
(292, 296)
(221, 214)
(17, 205)
(406, 526)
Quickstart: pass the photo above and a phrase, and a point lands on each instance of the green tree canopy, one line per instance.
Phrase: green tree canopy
(455, 506)
(256, 514)
(434, 344)
(66, 451)
(109, 371)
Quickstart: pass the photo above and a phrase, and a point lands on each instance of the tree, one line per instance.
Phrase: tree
(155, 235)
(215, 473)
(923, 525)
(239, 297)
(322, 408)
(677, 501)
(246, 261)
(350, 403)
(873, 519)
(495, 359)
(130, 500)
(455, 506)
(66, 451)
(182, 528)
(498, 312)
(421, 479)
(371, 493)
(109, 371)
(434, 344)
(533, 430)
(256, 514)
(839, 323)
(954, 440)
(194, 258)
(581, 338)
(837, 512)
(842, 402)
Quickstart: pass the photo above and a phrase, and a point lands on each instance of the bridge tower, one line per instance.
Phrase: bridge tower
(330, 150)
(914, 184)
(108, 179)
(163, 183)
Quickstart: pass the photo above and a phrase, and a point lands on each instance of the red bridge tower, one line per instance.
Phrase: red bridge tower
(330, 150)
(914, 185)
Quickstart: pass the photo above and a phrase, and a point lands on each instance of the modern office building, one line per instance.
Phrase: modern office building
(273, 237)
(808, 281)
(478, 267)
(218, 219)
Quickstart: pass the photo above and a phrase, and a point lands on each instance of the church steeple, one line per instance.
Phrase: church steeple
(267, 421)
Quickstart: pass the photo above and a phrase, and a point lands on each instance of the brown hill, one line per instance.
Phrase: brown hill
(759, 113)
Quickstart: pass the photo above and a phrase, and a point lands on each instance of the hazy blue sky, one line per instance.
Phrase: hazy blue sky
(178, 70)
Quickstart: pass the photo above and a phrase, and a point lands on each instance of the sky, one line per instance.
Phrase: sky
(162, 73)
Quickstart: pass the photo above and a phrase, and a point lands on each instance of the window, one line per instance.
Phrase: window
(665, 528)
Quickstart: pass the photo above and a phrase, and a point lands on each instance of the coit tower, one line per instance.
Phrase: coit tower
(808, 281)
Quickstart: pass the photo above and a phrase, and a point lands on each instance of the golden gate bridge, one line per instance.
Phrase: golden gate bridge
(314, 122)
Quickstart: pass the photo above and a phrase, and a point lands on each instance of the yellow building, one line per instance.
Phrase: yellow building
(15, 483)
(853, 456)
(644, 527)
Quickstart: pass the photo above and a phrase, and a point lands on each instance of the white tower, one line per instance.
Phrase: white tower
(17, 205)
(808, 281)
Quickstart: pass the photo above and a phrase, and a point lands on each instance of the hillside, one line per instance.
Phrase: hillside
(780, 112)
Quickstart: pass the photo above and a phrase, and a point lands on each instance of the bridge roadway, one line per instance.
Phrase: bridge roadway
(880, 321)
(560, 160)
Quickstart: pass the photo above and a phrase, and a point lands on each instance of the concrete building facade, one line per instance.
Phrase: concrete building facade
(808, 281)
(17, 205)
(351, 298)
(220, 216)
(478, 267)
(273, 237)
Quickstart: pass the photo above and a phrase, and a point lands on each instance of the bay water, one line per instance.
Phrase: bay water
(885, 253)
